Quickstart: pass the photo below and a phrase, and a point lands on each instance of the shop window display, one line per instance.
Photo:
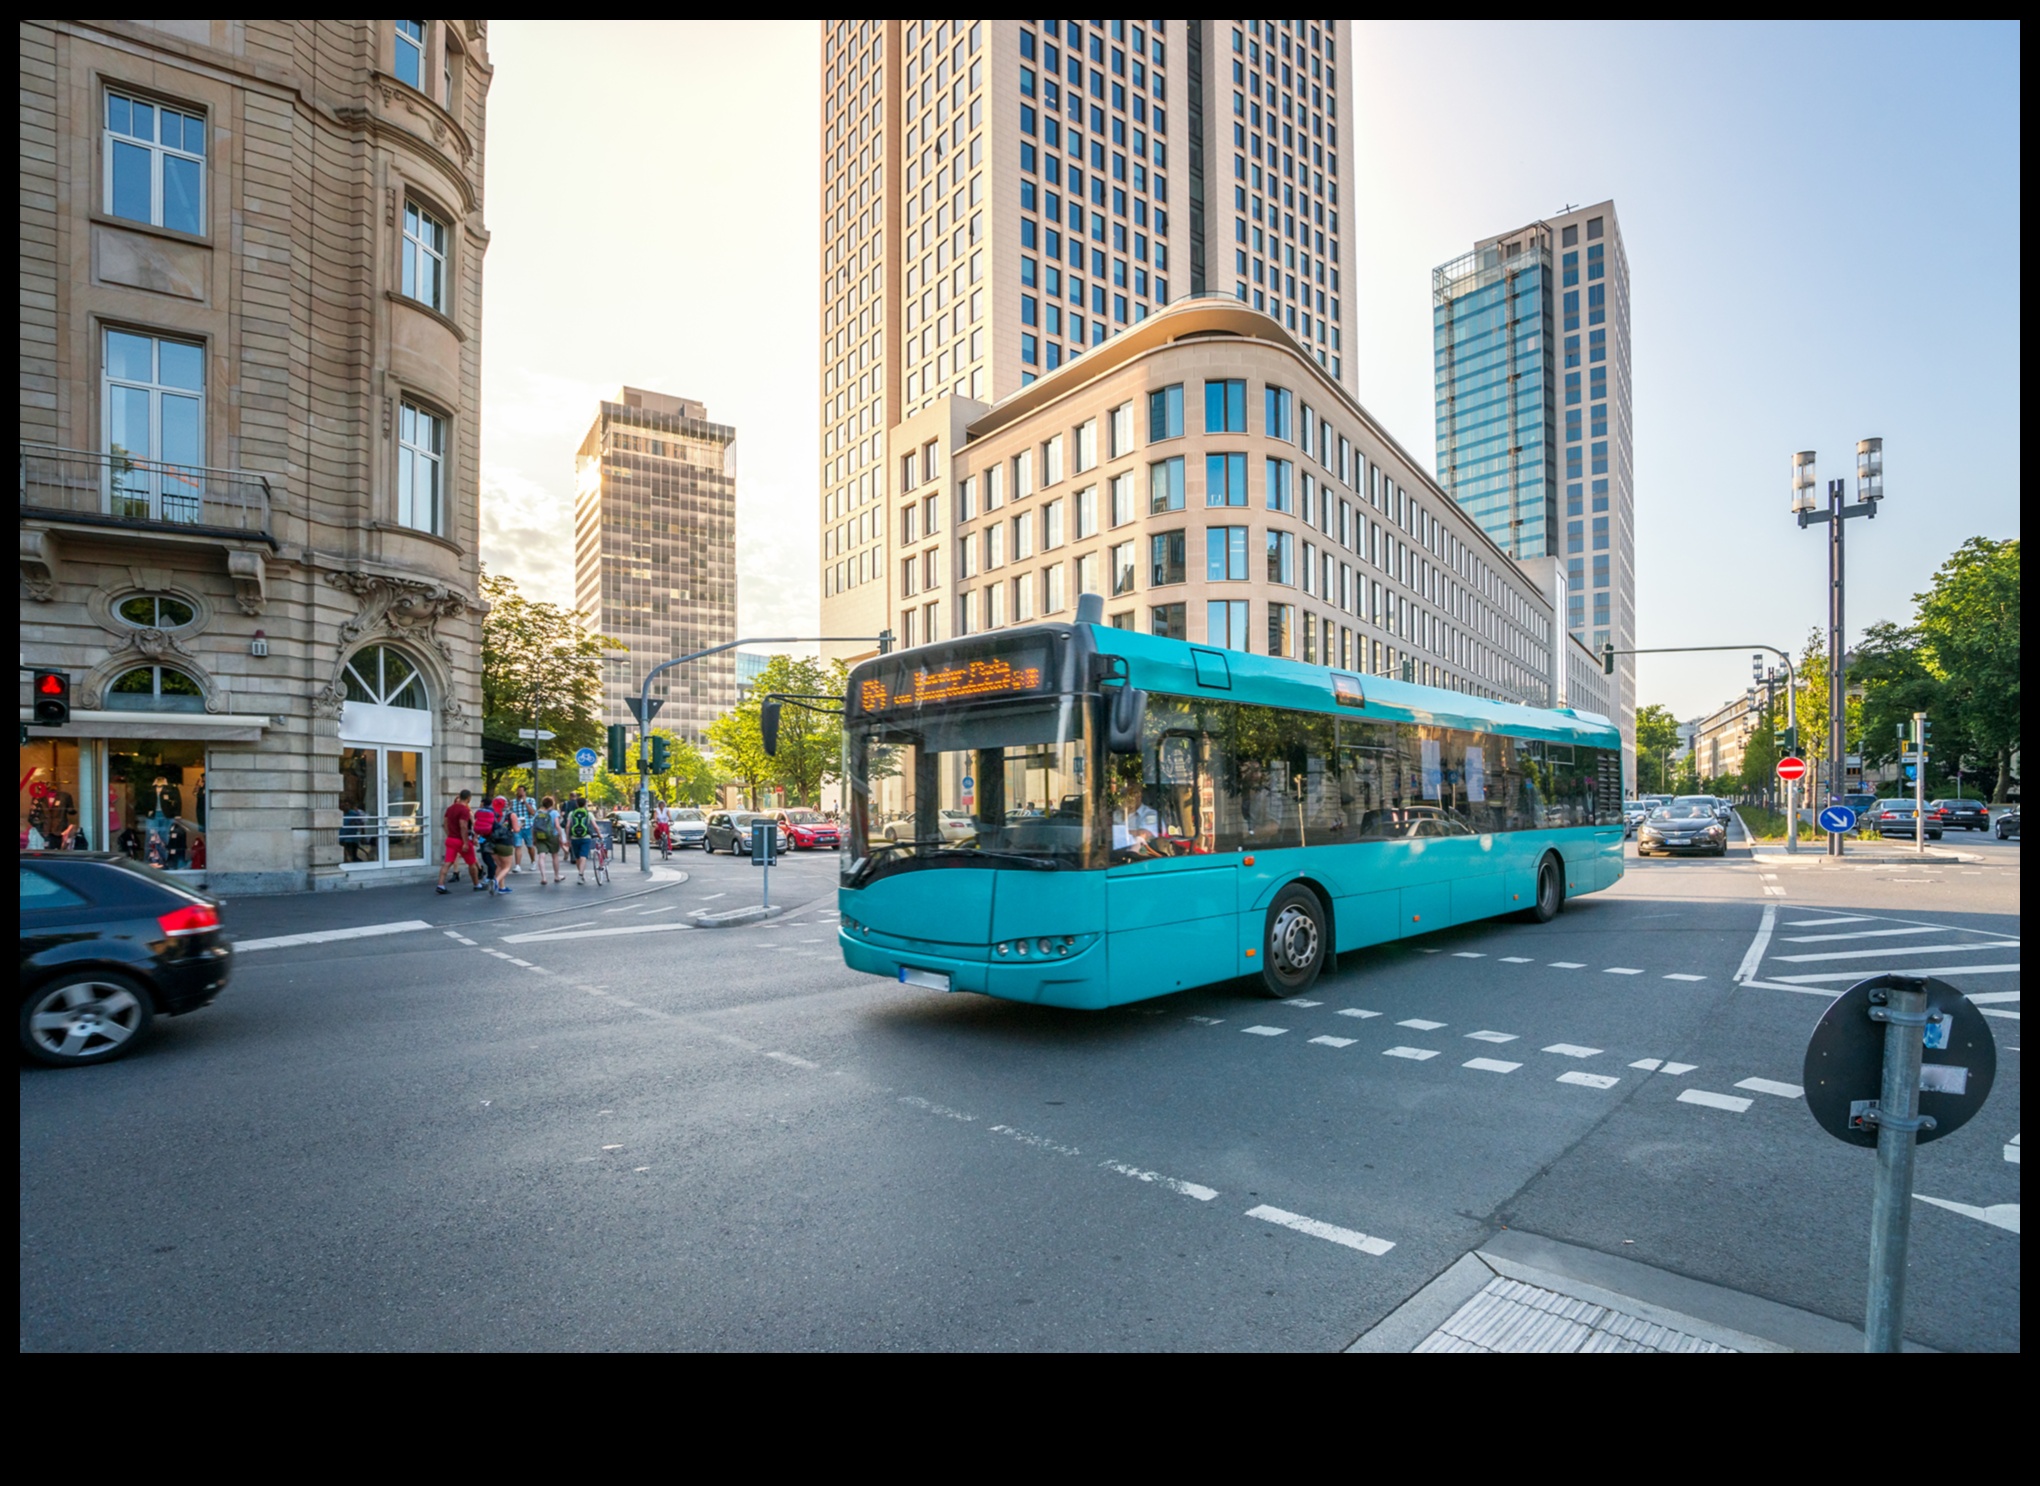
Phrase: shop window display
(155, 802)
(51, 790)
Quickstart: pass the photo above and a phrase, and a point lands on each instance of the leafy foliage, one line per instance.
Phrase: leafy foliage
(1657, 735)
(541, 667)
(810, 750)
(1969, 640)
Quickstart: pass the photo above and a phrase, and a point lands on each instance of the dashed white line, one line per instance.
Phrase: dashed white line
(1663, 1065)
(2012, 1151)
(1815, 923)
(1802, 980)
(525, 963)
(917, 1102)
(1728, 1102)
(711, 897)
(1774, 892)
(1517, 960)
(792, 1061)
(1590, 1080)
(1685, 977)
(1468, 954)
(1264, 1031)
(1039, 1142)
(1568, 965)
(1418, 1024)
(1174, 1184)
(1897, 949)
(1330, 1232)
(1490, 1065)
(1573, 1050)
(1356, 1011)
(1207, 1021)
(1415, 1054)
(1492, 1036)
(1333, 1041)
(1620, 970)
(1772, 1086)
(329, 936)
(1306, 1003)
(1858, 934)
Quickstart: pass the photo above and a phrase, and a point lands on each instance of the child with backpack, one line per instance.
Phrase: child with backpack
(581, 830)
(545, 840)
(502, 838)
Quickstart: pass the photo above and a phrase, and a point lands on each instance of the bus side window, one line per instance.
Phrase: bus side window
(1172, 788)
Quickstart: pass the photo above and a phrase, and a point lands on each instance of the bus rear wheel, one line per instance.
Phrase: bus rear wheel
(1550, 892)
(1294, 947)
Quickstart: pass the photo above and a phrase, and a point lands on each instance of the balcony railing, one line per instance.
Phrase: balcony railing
(119, 489)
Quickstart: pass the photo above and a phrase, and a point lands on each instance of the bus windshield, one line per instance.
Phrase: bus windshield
(1000, 786)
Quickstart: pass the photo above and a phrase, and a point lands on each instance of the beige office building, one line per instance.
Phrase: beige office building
(1002, 198)
(655, 556)
(251, 288)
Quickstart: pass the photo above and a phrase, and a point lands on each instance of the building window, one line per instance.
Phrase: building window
(1121, 558)
(1225, 624)
(1281, 495)
(153, 393)
(1087, 512)
(1087, 445)
(154, 611)
(155, 164)
(1087, 574)
(411, 53)
(1165, 486)
(1225, 407)
(421, 466)
(1051, 461)
(1166, 558)
(1225, 554)
(1121, 433)
(1281, 559)
(424, 257)
(1052, 597)
(1281, 626)
(1051, 526)
(1023, 538)
(383, 677)
(1279, 416)
(1165, 414)
(1122, 499)
(154, 689)
(1225, 479)
(1167, 621)
(1023, 598)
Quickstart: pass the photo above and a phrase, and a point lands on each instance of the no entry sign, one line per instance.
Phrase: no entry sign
(1791, 769)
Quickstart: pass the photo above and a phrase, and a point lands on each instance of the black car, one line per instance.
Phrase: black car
(2006, 825)
(1896, 818)
(106, 947)
(1966, 815)
(1684, 825)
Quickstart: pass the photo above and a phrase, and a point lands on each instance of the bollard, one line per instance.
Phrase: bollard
(1904, 1014)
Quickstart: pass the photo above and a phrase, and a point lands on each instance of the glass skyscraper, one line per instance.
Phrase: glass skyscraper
(1530, 333)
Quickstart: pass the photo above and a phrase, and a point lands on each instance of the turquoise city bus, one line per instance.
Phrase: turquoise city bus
(1083, 816)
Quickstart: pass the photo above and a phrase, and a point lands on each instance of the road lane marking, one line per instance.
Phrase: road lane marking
(1264, 1031)
(792, 1061)
(1039, 1142)
(555, 936)
(1333, 1041)
(1821, 923)
(1327, 1231)
(1663, 1065)
(2003, 1215)
(711, 897)
(1685, 977)
(2012, 1150)
(1356, 1011)
(1492, 1036)
(1590, 1080)
(1620, 970)
(667, 909)
(1772, 1086)
(1306, 1003)
(1775, 892)
(1517, 960)
(1715, 1101)
(329, 936)
(1754, 955)
(1418, 1024)
(915, 1101)
(1467, 954)
(525, 963)
(1858, 934)
(1808, 980)
(1490, 1065)
(1895, 949)
(1174, 1184)
(1573, 1050)
(1415, 1054)
(1207, 1021)
(1568, 965)
(1986, 998)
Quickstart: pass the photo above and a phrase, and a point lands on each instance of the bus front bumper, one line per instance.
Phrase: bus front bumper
(1074, 980)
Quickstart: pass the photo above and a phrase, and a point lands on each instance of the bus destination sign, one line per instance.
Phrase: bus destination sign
(1017, 673)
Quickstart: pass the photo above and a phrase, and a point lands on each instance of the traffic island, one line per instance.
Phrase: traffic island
(1813, 853)
(733, 918)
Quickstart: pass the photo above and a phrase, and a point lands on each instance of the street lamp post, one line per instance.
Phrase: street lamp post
(1869, 491)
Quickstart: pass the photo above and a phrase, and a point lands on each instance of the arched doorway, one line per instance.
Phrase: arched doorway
(385, 752)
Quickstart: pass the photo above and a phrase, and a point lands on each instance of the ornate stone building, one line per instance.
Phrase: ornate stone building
(251, 275)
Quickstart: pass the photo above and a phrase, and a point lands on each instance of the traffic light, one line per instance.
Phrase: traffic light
(619, 758)
(1787, 740)
(52, 698)
(1607, 660)
(885, 642)
(1920, 727)
(662, 754)
(1757, 668)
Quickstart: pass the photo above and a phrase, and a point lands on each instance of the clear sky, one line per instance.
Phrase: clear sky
(1822, 225)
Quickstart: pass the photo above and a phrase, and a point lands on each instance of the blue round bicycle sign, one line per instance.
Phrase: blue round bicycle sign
(585, 757)
(1838, 819)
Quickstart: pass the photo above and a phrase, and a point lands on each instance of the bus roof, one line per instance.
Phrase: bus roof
(1173, 666)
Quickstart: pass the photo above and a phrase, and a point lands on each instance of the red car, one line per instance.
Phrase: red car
(807, 829)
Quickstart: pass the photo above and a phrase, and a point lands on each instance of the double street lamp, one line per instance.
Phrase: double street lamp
(1869, 491)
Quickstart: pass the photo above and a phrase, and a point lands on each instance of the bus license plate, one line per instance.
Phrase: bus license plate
(934, 980)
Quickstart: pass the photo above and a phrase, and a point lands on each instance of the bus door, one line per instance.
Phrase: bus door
(1170, 902)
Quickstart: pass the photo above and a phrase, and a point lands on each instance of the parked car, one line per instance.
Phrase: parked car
(1895, 818)
(1969, 815)
(1683, 825)
(106, 947)
(807, 830)
(958, 825)
(625, 825)
(687, 826)
(730, 830)
(2006, 824)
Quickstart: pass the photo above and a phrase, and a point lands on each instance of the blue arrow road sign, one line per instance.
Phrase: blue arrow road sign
(1838, 819)
(1912, 771)
(585, 757)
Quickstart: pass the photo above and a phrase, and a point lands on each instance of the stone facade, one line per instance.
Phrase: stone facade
(251, 275)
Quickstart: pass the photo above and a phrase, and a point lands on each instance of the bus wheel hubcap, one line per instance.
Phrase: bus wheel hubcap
(1293, 942)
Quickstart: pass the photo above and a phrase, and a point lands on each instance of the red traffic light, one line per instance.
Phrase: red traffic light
(51, 685)
(52, 698)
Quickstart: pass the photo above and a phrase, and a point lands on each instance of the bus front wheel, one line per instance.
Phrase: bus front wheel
(1550, 892)
(1294, 946)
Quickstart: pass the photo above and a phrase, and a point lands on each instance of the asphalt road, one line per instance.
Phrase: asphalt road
(568, 1120)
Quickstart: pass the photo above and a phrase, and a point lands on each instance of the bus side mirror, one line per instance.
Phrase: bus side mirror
(768, 727)
(1126, 720)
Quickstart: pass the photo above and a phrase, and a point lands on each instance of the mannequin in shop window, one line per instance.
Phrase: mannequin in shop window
(156, 842)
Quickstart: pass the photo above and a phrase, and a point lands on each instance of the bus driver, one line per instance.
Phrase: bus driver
(1135, 823)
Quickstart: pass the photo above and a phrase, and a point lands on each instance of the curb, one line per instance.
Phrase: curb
(734, 918)
(1733, 1319)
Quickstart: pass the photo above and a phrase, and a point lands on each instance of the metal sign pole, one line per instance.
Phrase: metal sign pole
(1904, 1015)
(1919, 785)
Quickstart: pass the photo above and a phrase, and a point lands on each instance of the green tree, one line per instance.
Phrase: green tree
(738, 747)
(810, 743)
(541, 667)
(1969, 631)
(1657, 736)
(689, 778)
(1813, 714)
(1892, 666)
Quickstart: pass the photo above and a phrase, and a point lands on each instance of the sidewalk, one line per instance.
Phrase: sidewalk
(1813, 852)
(1522, 1293)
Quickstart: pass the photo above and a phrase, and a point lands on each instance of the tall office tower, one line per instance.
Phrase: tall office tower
(655, 556)
(1535, 441)
(1000, 197)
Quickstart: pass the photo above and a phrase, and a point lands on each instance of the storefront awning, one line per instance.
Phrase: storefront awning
(208, 727)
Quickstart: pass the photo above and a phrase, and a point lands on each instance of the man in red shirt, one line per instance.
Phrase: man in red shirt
(460, 842)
